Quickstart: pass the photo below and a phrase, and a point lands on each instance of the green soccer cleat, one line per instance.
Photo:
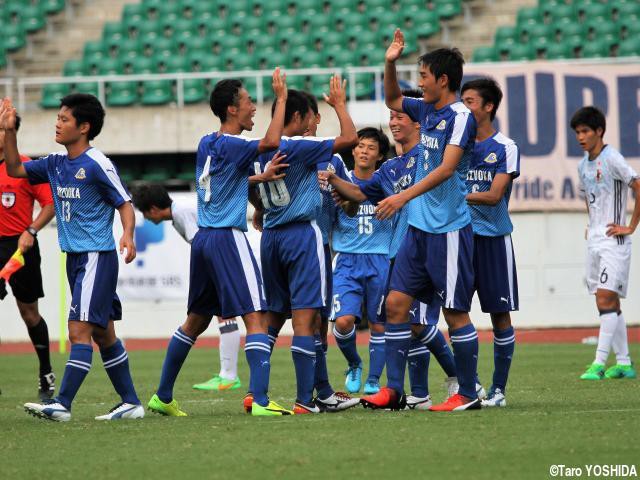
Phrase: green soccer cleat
(620, 371)
(218, 383)
(168, 409)
(595, 371)
(271, 410)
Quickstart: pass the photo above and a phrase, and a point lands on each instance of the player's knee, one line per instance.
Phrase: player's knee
(501, 321)
(397, 311)
(416, 330)
(607, 301)
(344, 324)
(376, 327)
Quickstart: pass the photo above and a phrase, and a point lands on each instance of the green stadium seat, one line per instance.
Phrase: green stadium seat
(158, 173)
(268, 60)
(134, 15)
(162, 46)
(73, 68)
(207, 63)
(306, 5)
(149, 30)
(365, 85)
(341, 58)
(372, 56)
(604, 31)
(448, 8)
(629, 47)
(424, 23)
(238, 61)
(196, 43)
(347, 20)
(195, 90)
(321, 22)
(113, 31)
(256, 39)
(521, 51)
(625, 10)
(110, 66)
(206, 13)
(363, 37)
(248, 22)
(186, 173)
(307, 59)
(485, 54)
(86, 87)
(505, 37)
(561, 12)
(340, 4)
(32, 18)
(629, 29)
(14, 37)
(298, 82)
(52, 7)
(558, 51)
(573, 33)
(127, 48)
(179, 27)
(168, 11)
(529, 16)
(156, 92)
(592, 12)
(383, 16)
(122, 94)
(320, 84)
(94, 51)
(52, 93)
(235, 6)
(540, 35)
(229, 44)
(3, 58)
(283, 23)
(142, 65)
(330, 38)
(290, 42)
(128, 171)
(595, 49)
(173, 64)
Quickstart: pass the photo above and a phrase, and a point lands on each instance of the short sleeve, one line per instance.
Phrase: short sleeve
(340, 167)
(372, 188)
(621, 170)
(42, 193)
(509, 160)
(463, 130)
(416, 108)
(241, 150)
(310, 150)
(38, 170)
(109, 184)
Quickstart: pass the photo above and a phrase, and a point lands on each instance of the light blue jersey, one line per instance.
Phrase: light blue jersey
(296, 197)
(327, 212)
(86, 190)
(222, 179)
(496, 154)
(392, 177)
(444, 208)
(363, 233)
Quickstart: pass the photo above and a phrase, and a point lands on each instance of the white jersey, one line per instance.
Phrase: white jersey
(605, 182)
(185, 219)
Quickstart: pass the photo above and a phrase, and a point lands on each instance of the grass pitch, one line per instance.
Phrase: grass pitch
(551, 418)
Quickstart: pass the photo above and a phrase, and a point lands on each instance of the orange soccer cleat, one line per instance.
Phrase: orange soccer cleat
(456, 403)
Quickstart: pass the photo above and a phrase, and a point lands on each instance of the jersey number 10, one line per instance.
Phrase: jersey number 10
(278, 192)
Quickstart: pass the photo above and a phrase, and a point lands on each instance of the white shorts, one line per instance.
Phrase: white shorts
(608, 268)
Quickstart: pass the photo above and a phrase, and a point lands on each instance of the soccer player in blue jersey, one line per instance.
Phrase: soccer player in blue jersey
(291, 247)
(225, 279)
(435, 260)
(361, 264)
(86, 192)
(494, 166)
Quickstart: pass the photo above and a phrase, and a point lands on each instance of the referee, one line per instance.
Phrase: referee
(18, 229)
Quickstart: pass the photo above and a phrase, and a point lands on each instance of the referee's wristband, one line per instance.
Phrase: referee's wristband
(32, 231)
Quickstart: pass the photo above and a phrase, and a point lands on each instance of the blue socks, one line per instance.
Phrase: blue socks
(303, 351)
(258, 351)
(321, 380)
(177, 351)
(78, 366)
(347, 344)
(434, 340)
(465, 348)
(116, 363)
(376, 356)
(418, 359)
(504, 342)
(398, 339)
(273, 336)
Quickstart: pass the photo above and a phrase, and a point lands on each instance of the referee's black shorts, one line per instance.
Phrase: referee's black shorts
(26, 283)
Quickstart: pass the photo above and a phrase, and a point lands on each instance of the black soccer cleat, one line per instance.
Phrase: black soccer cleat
(46, 386)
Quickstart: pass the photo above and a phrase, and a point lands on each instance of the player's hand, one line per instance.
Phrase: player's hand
(397, 46)
(127, 243)
(274, 170)
(324, 178)
(257, 220)
(614, 230)
(7, 115)
(337, 92)
(25, 242)
(279, 84)
(390, 205)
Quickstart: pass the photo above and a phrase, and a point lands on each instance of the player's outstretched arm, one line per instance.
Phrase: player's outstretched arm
(390, 205)
(392, 91)
(337, 98)
(128, 219)
(11, 154)
(271, 139)
(498, 188)
(348, 191)
(616, 230)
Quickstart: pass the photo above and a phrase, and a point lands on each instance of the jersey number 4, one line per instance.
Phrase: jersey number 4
(278, 193)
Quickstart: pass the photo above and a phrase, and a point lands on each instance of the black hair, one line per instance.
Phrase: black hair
(445, 61)
(150, 195)
(313, 103)
(18, 122)
(412, 93)
(297, 101)
(378, 135)
(591, 117)
(85, 108)
(489, 91)
(225, 94)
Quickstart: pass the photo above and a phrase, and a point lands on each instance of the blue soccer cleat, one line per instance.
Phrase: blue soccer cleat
(353, 382)
(371, 387)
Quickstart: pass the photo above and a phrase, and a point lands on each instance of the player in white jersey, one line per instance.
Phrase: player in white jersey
(157, 206)
(605, 179)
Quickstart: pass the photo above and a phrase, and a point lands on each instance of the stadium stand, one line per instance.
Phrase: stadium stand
(557, 30)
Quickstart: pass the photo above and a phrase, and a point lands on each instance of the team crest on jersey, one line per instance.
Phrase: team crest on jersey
(411, 162)
(491, 158)
(442, 125)
(331, 168)
(8, 199)
(81, 174)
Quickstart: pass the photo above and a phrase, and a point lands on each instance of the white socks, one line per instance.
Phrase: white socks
(608, 327)
(229, 347)
(619, 344)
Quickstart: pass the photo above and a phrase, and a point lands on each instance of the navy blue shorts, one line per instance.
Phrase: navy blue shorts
(495, 274)
(358, 279)
(419, 314)
(293, 267)
(224, 277)
(93, 278)
(436, 268)
(325, 313)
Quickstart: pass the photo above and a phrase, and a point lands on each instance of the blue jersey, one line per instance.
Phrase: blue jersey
(392, 177)
(327, 212)
(363, 233)
(496, 154)
(296, 197)
(86, 190)
(444, 208)
(222, 179)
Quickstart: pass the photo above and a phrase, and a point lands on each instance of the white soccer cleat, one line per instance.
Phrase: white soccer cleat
(418, 403)
(49, 410)
(451, 386)
(480, 391)
(123, 411)
(337, 402)
(496, 398)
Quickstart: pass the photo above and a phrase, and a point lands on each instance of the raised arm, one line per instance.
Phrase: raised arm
(337, 98)
(8, 124)
(271, 139)
(498, 188)
(392, 91)
(128, 219)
